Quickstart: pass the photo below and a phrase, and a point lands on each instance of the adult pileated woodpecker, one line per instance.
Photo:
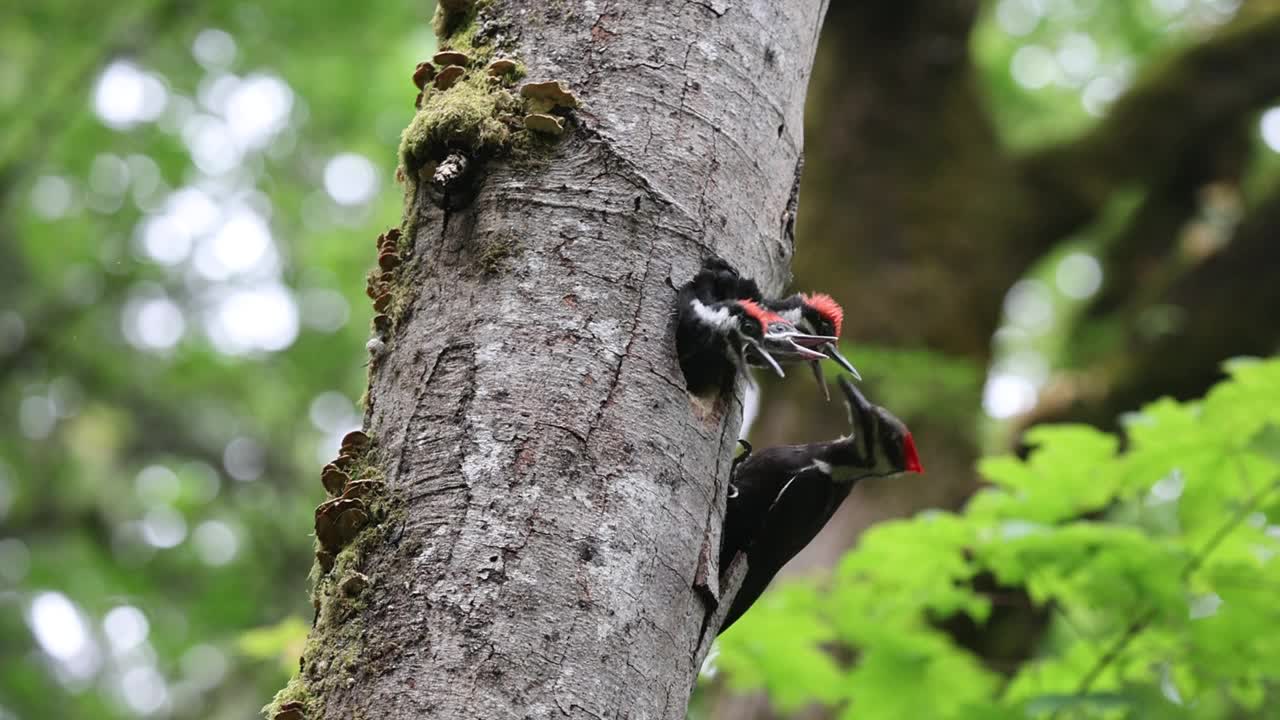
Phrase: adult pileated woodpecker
(779, 498)
(721, 326)
(816, 314)
(724, 323)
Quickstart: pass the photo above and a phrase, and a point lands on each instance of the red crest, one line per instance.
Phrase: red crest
(827, 307)
(759, 314)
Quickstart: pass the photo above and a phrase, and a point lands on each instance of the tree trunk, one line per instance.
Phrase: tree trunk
(550, 482)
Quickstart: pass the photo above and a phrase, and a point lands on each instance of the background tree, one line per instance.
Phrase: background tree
(189, 199)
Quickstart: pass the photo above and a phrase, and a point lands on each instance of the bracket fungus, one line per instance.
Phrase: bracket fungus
(502, 66)
(334, 479)
(355, 440)
(449, 76)
(291, 710)
(361, 488)
(389, 260)
(451, 57)
(552, 92)
(423, 74)
(543, 123)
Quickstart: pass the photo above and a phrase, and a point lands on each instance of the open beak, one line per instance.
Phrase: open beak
(807, 340)
(764, 354)
(784, 348)
(833, 352)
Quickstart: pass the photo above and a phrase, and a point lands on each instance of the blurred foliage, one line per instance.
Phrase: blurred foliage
(1158, 608)
(189, 196)
(1050, 66)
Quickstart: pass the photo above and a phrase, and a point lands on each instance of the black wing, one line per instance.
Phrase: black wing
(802, 508)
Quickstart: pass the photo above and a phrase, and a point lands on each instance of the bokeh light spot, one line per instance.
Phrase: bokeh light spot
(1007, 395)
(1033, 67)
(1079, 275)
(350, 179)
(213, 48)
(126, 628)
(1269, 126)
(215, 542)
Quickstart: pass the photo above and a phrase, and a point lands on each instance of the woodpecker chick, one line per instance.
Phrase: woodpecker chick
(722, 326)
(820, 315)
(781, 497)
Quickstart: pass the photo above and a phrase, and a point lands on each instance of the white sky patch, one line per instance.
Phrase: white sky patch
(1007, 395)
(143, 690)
(212, 146)
(214, 49)
(214, 91)
(1167, 489)
(1078, 56)
(62, 633)
(163, 241)
(153, 323)
(258, 108)
(163, 527)
(242, 245)
(1099, 93)
(194, 209)
(126, 628)
(125, 95)
(257, 319)
(1078, 276)
(350, 179)
(1269, 126)
(167, 237)
(215, 542)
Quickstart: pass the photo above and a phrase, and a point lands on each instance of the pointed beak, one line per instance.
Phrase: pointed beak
(834, 353)
(857, 404)
(912, 459)
(816, 367)
(803, 352)
(810, 341)
(764, 354)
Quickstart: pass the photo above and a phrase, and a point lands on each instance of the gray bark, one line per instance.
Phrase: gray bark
(557, 480)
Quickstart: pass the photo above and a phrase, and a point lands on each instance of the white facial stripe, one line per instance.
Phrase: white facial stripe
(720, 319)
(823, 467)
